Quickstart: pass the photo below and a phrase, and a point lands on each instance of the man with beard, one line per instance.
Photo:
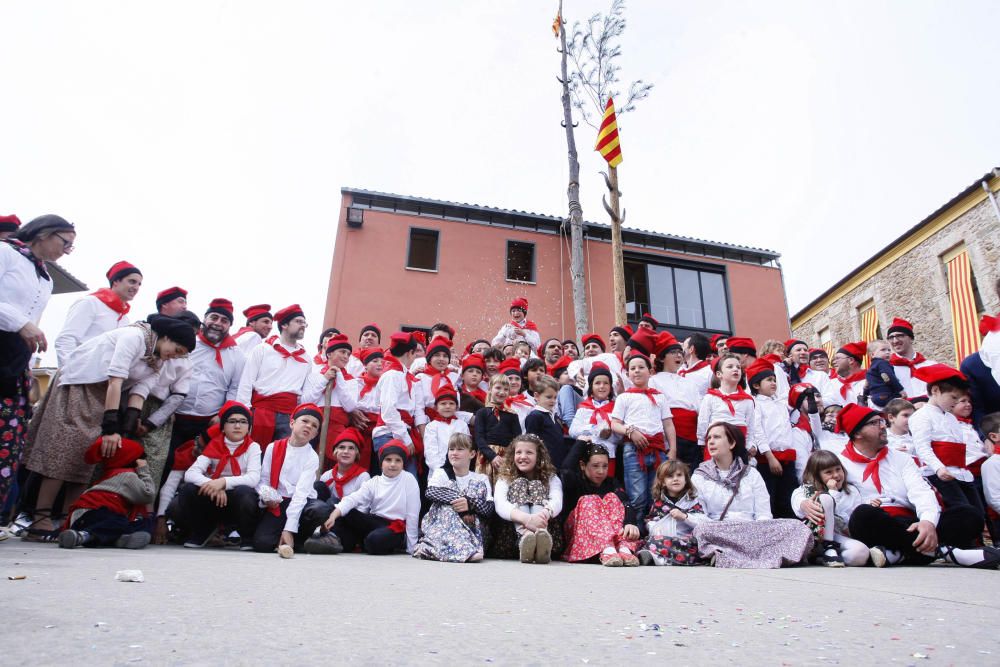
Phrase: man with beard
(258, 327)
(370, 337)
(171, 301)
(216, 368)
(552, 350)
(274, 376)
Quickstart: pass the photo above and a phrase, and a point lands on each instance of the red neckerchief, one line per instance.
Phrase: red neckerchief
(225, 343)
(436, 416)
(964, 420)
(298, 355)
(845, 383)
(278, 450)
(697, 367)
(651, 394)
(112, 301)
(325, 368)
(369, 383)
(319, 360)
(477, 393)
(516, 399)
(391, 363)
(216, 449)
(242, 331)
(871, 465)
(803, 422)
(897, 360)
(338, 481)
(728, 399)
(528, 324)
(604, 411)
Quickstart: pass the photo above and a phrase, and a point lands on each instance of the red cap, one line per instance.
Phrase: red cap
(474, 361)
(649, 319)
(938, 373)
(234, 407)
(223, 307)
(857, 350)
(519, 302)
(625, 331)
(852, 417)
(665, 341)
(759, 370)
(349, 434)
(338, 342)
(370, 354)
(510, 366)
(792, 342)
(643, 341)
(741, 345)
(169, 294)
(119, 270)
(9, 223)
(561, 363)
(594, 338)
(393, 447)
(308, 409)
(445, 391)
(127, 453)
(795, 393)
(988, 324)
(899, 325)
(438, 344)
(371, 327)
(289, 313)
(256, 312)
(714, 340)
(817, 352)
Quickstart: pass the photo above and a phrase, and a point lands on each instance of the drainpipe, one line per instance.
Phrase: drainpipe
(784, 294)
(993, 199)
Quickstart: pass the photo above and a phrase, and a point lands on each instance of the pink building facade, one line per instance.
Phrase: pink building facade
(407, 263)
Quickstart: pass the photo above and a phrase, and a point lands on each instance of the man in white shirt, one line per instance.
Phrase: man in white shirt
(904, 358)
(100, 311)
(697, 368)
(171, 301)
(258, 327)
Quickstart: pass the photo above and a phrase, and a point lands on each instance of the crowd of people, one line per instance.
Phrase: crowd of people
(622, 449)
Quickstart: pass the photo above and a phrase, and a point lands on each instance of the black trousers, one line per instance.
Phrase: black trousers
(269, 528)
(779, 487)
(690, 452)
(357, 529)
(957, 527)
(105, 526)
(199, 515)
(955, 493)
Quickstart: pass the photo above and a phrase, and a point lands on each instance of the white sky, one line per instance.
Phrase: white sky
(207, 142)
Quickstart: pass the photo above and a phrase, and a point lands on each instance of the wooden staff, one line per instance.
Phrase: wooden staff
(325, 426)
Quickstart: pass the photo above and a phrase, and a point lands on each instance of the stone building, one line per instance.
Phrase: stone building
(909, 278)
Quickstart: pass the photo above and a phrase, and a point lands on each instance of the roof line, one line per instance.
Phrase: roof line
(770, 254)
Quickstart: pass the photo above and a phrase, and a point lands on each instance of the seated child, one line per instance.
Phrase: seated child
(542, 420)
(881, 382)
(347, 474)
(452, 531)
(382, 516)
(112, 512)
(184, 458)
(990, 472)
(825, 501)
(286, 490)
(220, 486)
(528, 497)
(676, 510)
(829, 438)
(598, 521)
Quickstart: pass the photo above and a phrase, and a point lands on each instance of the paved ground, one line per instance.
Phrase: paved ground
(239, 608)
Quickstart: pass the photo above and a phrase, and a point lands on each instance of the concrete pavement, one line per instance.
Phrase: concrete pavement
(222, 606)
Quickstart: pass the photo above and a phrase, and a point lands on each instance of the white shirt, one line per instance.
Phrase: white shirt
(931, 423)
(295, 481)
(506, 336)
(845, 502)
(86, 319)
(393, 397)
(901, 443)
(638, 411)
(581, 427)
(115, 354)
(23, 293)
(830, 441)
(369, 402)
(175, 378)
(355, 367)
(390, 498)
(247, 341)
(436, 437)
(776, 427)
(269, 373)
(343, 395)
(427, 384)
(702, 379)
(439, 478)
(249, 462)
(991, 481)
(504, 507)
(752, 503)
(902, 485)
(210, 386)
(349, 487)
(832, 396)
(911, 385)
(681, 392)
(714, 409)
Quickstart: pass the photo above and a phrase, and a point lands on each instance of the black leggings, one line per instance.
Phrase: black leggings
(357, 529)
(199, 515)
(268, 533)
(955, 493)
(779, 487)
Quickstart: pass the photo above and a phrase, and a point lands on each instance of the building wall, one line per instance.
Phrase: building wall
(914, 285)
(369, 281)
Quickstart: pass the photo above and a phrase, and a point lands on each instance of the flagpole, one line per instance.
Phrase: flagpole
(617, 262)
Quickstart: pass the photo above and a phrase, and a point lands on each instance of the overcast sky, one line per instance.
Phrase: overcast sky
(207, 142)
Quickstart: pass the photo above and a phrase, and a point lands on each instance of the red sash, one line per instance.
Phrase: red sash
(900, 512)
(952, 454)
(871, 464)
(278, 450)
(976, 467)
(340, 419)
(418, 441)
(397, 525)
(98, 499)
(184, 456)
(658, 445)
(685, 423)
(265, 411)
(783, 456)
(112, 301)
(226, 342)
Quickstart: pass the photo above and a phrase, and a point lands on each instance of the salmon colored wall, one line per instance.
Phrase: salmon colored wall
(369, 283)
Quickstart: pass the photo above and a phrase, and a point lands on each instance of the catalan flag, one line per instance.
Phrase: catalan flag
(869, 329)
(963, 306)
(607, 136)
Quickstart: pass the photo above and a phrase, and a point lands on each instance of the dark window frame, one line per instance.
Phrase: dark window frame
(673, 263)
(437, 249)
(532, 269)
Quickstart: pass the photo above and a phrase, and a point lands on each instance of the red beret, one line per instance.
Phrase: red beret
(256, 312)
(119, 270)
(370, 327)
(899, 325)
(511, 366)
(519, 302)
(741, 345)
(474, 361)
(308, 410)
(643, 341)
(561, 363)
(124, 456)
(988, 324)
(223, 307)
(594, 338)
(938, 373)
(646, 317)
(169, 294)
(289, 313)
(852, 417)
(665, 341)
(9, 223)
(792, 342)
(759, 370)
(857, 350)
(445, 391)
(795, 393)
(338, 342)
(438, 344)
(370, 354)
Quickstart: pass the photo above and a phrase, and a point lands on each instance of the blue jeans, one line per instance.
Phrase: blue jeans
(639, 482)
(411, 461)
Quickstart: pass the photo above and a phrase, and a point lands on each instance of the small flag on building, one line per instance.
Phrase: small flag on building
(607, 136)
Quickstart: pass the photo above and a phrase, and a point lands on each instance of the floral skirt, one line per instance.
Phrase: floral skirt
(674, 550)
(763, 544)
(485, 467)
(14, 415)
(446, 537)
(593, 525)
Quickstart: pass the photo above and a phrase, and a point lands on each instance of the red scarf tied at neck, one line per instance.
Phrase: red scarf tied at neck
(897, 360)
(728, 399)
(226, 342)
(217, 449)
(845, 383)
(112, 301)
(298, 355)
(599, 412)
(697, 367)
(871, 464)
(338, 481)
(651, 394)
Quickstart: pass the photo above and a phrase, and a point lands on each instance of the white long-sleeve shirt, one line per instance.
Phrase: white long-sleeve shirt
(832, 395)
(845, 502)
(506, 336)
(931, 423)
(349, 487)
(114, 354)
(504, 507)
(752, 502)
(991, 481)
(211, 385)
(344, 394)
(436, 436)
(902, 485)
(295, 481)
(776, 428)
(911, 385)
(23, 293)
(247, 341)
(393, 396)
(249, 463)
(390, 498)
(681, 392)
(86, 319)
(269, 373)
(701, 378)
(427, 384)
(714, 409)
(169, 490)
(581, 427)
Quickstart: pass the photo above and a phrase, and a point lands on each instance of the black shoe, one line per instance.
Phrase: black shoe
(990, 561)
(71, 539)
(198, 540)
(325, 544)
(135, 540)
(831, 554)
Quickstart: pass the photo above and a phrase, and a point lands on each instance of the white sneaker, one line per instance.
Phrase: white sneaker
(527, 547)
(285, 551)
(543, 547)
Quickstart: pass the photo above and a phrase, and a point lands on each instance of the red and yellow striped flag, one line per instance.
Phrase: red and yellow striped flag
(963, 307)
(828, 346)
(556, 24)
(869, 329)
(607, 136)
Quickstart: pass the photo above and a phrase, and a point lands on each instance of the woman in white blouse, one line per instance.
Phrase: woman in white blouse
(25, 288)
(741, 532)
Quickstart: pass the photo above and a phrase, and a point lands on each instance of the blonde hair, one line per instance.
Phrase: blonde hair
(544, 382)
(876, 344)
(775, 346)
(463, 440)
(544, 469)
(499, 378)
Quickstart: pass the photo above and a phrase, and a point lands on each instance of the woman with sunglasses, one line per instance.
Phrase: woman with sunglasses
(25, 288)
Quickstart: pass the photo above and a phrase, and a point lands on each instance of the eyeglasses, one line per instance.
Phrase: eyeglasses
(67, 245)
(876, 422)
(237, 422)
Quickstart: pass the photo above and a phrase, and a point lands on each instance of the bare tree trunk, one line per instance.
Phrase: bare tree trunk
(617, 262)
(576, 271)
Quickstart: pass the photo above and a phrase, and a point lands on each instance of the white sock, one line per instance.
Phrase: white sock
(892, 556)
(608, 551)
(659, 560)
(968, 557)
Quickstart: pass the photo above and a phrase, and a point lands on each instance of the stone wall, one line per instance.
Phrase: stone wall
(915, 287)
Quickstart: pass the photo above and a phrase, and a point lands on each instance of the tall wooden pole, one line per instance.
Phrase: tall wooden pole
(617, 263)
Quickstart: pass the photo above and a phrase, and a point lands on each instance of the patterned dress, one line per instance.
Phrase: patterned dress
(672, 540)
(446, 535)
(15, 413)
(595, 524)
(506, 534)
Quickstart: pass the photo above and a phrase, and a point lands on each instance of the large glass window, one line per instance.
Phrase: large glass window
(679, 297)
